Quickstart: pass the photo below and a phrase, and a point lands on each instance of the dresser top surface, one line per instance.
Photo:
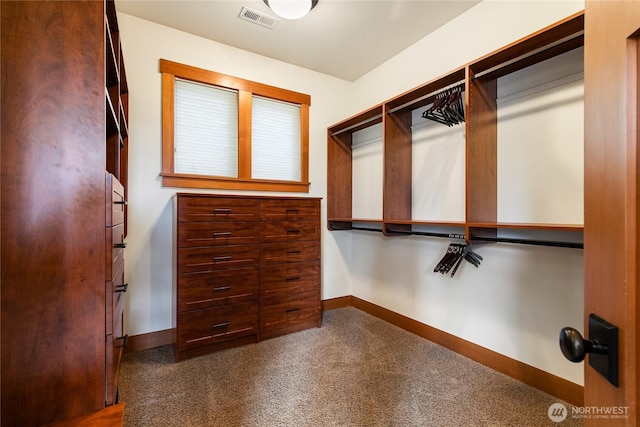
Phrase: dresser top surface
(238, 196)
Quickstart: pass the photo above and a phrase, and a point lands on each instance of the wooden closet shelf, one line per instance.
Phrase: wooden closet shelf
(424, 94)
(359, 121)
(529, 226)
(480, 79)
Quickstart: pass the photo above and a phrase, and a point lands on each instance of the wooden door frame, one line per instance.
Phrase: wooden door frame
(611, 202)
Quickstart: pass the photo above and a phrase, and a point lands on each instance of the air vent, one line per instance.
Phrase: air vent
(256, 17)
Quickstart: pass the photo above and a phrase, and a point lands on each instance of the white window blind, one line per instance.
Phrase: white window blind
(205, 130)
(275, 145)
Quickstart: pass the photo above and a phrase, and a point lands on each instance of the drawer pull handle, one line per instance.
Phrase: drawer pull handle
(222, 234)
(294, 252)
(221, 288)
(124, 339)
(222, 258)
(222, 211)
(291, 279)
(293, 210)
(293, 231)
(293, 310)
(221, 325)
(120, 202)
(122, 288)
(120, 245)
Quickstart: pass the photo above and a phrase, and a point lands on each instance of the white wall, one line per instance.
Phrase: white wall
(520, 297)
(515, 303)
(148, 257)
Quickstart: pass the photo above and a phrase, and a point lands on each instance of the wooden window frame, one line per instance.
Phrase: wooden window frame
(246, 89)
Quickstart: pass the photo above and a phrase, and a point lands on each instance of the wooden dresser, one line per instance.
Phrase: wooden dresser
(245, 269)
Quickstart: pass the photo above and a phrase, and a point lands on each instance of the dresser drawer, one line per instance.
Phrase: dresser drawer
(115, 344)
(115, 245)
(286, 310)
(289, 231)
(203, 290)
(277, 253)
(115, 201)
(217, 209)
(117, 259)
(290, 209)
(281, 279)
(212, 325)
(193, 234)
(193, 260)
(114, 293)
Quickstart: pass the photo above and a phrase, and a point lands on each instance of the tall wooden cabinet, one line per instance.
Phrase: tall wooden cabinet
(246, 268)
(63, 189)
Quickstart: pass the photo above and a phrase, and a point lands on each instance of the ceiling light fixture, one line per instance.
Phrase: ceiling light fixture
(291, 9)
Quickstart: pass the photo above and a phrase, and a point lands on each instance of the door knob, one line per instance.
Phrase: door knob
(603, 346)
(575, 348)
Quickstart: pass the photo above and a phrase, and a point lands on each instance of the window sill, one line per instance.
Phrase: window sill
(198, 181)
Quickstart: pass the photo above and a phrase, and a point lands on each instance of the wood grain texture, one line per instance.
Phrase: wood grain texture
(481, 156)
(199, 181)
(611, 200)
(339, 175)
(210, 289)
(219, 79)
(111, 416)
(52, 211)
(304, 148)
(245, 109)
(168, 147)
(337, 302)
(149, 340)
(282, 279)
(566, 29)
(396, 192)
(279, 290)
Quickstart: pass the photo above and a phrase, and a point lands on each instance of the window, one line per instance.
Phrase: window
(224, 132)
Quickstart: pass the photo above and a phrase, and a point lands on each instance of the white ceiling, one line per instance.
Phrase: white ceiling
(341, 38)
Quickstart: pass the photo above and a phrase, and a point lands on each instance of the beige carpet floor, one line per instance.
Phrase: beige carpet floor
(356, 370)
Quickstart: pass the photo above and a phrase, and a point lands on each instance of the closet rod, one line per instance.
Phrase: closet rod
(423, 233)
(365, 229)
(529, 54)
(408, 233)
(530, 242)
(435, 92)
(573, 245)
(364, 122)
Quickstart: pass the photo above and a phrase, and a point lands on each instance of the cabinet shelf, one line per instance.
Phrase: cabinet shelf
(479, 80)
(528, 226)
(566, 35)
(111, 56)
(117, 98)
(424, 94)
(336, 224)
(112, 121)
(358, 122)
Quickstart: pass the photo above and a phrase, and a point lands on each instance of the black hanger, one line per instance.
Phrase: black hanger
(457, 250)
(447, 107)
